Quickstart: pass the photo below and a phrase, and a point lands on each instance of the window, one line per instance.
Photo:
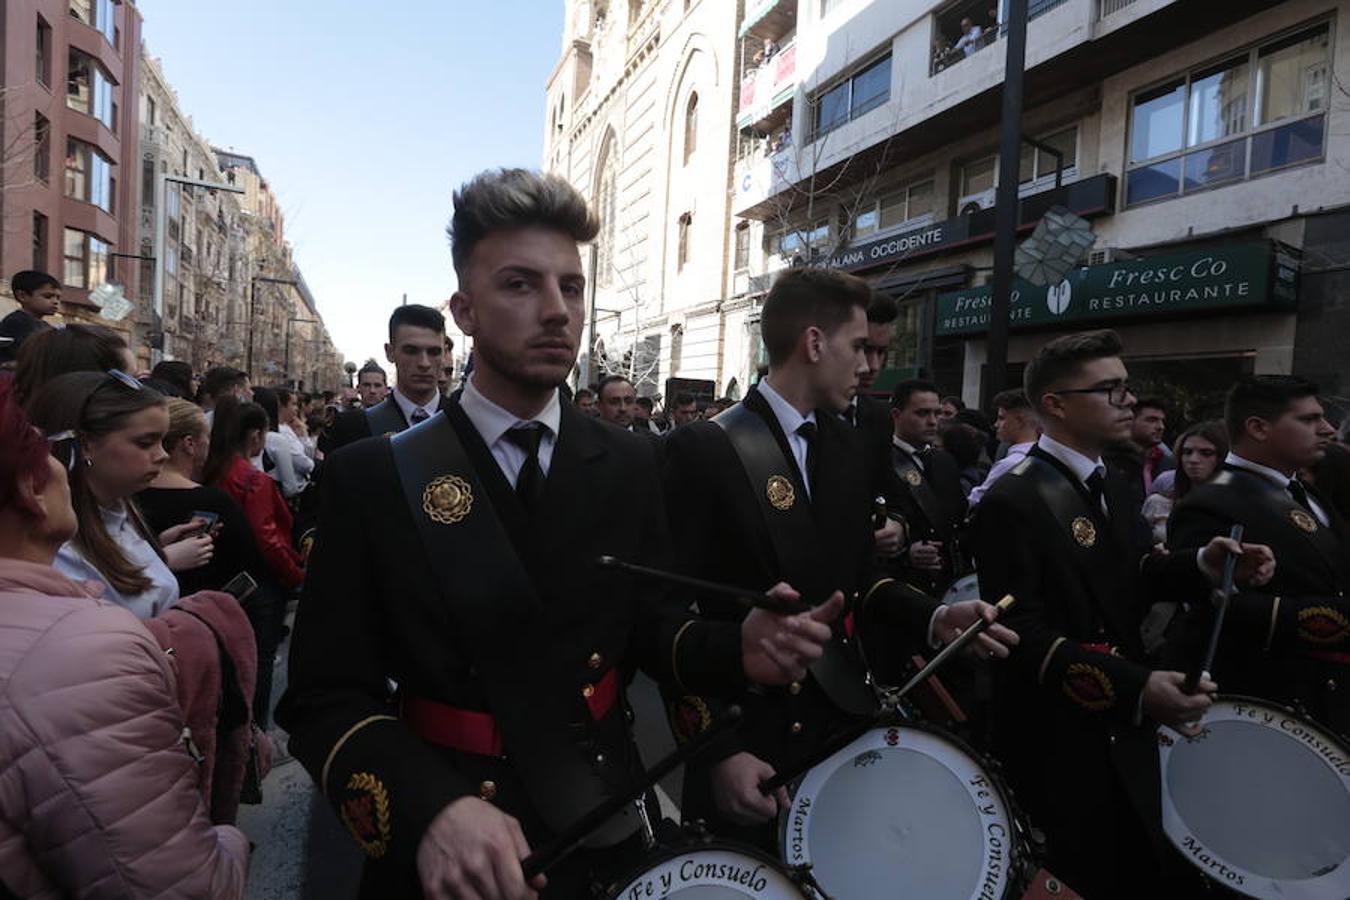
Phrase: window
(148, 183)
(859, 93)
(606, 204)
(978, 176)
(89, 175)
(1036, 170)
(151, 110)
(907, 205)
(1037, 164)
(743, 246)
(86, 259)
(1252, 113)
(682, 247)
(690, 127)
(100, 14)
(90, 90)
(42, 147)
(44, 53)
(803, 243)
(39, 242)
(829, 6)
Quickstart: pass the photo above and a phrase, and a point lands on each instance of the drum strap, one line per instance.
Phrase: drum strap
(837, 671)
(505, 632)
(385, 417)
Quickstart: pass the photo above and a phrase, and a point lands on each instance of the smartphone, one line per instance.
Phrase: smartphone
(210, 517)
(241, 586)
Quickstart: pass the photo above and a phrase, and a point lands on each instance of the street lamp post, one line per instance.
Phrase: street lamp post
(1006, 204)
(161, 191)
(286, 371)
(252, 300)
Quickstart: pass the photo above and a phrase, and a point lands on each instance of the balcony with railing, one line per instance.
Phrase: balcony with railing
(967, 27)
(767, 89)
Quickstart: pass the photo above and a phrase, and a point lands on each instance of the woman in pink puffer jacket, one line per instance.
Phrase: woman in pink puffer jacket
(98, 793)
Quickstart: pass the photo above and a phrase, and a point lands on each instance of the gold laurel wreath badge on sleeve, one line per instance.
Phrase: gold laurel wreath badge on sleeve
(447, 499)
(366, 815)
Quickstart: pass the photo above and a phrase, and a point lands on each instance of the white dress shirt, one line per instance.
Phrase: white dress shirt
(789, 419)
(431, 407)
(492, 423)
(912, 451)
(1081, 466)
(163, 590)
(1279, 478)
(1016, 453)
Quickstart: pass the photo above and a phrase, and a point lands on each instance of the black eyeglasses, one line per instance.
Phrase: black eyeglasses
(65, 445)
(1117, 392)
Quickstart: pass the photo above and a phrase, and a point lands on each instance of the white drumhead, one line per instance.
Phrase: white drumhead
(711, 873)
(1260, 801)
(967, 587)
(901, 812)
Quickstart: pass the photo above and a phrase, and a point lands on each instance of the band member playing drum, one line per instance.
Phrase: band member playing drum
(1291, 641)
(1073, 719)
(772, 491)
(457, 674)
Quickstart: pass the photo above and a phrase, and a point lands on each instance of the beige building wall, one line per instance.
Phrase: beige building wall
(636, 83)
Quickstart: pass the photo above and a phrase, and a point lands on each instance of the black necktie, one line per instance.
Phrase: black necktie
(420, 415)
(807, 431)
(1096, 486)
(530, 481)
(1300, 494)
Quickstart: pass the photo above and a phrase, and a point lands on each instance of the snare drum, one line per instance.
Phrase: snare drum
(907, 811)
(709, 871)
(967, 587)
(1260, 801)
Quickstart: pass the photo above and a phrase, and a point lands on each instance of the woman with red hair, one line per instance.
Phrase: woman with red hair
(98, 790)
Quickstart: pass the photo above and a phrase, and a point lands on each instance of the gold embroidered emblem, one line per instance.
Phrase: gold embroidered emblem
(447, 499)
(1303, 521)
(689, 717)
(781, 493)
(1089, 687)
(913, 477)
(1084, 532)
(1322, 625)
(366, 815)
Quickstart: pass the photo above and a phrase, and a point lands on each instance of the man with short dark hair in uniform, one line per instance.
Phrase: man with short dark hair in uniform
(458, 665)
(771, 490)
(1290, 641)
(1076, 709)
(925, 487)
(873, 420)
(616, 398)
(585, 401)
(417, 349)
(372, 384)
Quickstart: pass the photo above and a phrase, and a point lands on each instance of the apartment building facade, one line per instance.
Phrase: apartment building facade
(1207, 145)
(69, 147)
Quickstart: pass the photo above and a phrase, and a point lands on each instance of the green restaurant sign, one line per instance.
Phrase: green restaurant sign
(1234, 276)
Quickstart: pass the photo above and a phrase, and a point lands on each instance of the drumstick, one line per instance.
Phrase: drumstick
(554, 852)
(747, 599)
(848, 737)
(1222, 594)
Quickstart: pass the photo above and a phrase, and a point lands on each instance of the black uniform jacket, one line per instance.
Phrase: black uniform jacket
(1289, 641)
(354, 424)
(873, 421)
(721, 534)
(1067, 710)
(934, 506)
(375, 615)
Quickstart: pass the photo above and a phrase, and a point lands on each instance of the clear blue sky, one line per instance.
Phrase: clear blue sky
(364, 117)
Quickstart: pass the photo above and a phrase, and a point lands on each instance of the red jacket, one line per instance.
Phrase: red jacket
(270, 517)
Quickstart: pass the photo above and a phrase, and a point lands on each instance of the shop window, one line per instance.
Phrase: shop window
(742, 246)
(861, 92)
(1255, 112)
(44, 53)
(907, 207)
